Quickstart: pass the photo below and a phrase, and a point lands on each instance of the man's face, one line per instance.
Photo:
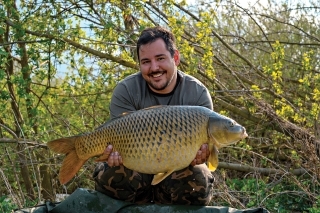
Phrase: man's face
(158, 67)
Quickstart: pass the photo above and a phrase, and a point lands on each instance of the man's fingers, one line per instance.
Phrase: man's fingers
(199, 157)
(108, 150)
(204, 152)
(194, 162)
(116, 159)
(105, 155)
(120, 160)
(111, 160)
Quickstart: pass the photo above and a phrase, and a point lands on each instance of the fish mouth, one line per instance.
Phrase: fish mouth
(244, 134)
(157, 74)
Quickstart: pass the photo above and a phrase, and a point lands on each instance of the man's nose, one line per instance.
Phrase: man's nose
(154, 66)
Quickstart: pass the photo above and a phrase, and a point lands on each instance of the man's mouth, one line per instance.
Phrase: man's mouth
(156, 74)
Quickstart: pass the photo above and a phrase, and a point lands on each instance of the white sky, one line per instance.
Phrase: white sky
(245, 3)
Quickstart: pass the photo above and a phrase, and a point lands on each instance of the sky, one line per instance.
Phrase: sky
(240, 2)
(246, 3)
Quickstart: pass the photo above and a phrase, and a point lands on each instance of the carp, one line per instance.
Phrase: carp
(157, 140)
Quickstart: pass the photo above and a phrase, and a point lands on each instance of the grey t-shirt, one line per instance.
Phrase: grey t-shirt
(133, 93)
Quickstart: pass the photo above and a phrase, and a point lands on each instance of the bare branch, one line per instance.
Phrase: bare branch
(22, 141)
(263, 171)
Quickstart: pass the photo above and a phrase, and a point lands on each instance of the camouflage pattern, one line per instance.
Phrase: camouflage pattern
(190, 186)
(122, 183)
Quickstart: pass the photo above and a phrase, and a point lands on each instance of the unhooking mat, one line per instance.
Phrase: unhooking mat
(88, 201)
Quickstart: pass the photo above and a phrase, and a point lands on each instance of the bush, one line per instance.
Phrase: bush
(6, 205)
(279, 197)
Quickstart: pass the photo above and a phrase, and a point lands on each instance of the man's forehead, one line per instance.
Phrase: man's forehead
(153, 50)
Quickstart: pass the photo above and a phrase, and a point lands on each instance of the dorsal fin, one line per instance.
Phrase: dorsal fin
(148, 108)
(124, 114)
(155, 106)
(127, 113)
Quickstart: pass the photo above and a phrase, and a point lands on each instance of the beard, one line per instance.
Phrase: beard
(158, 87)
(162, 86)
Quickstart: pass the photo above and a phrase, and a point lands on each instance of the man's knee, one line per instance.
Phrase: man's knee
(189, 186)
(122, 183)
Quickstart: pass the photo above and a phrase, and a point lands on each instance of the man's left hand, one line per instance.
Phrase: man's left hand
(202, 155)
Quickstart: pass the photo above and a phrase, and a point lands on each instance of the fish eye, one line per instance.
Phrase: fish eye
(231, 123)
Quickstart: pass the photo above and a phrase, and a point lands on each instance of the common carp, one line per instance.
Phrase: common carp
(157, 140)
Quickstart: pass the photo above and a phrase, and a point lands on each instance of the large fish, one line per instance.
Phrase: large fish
(157, 140)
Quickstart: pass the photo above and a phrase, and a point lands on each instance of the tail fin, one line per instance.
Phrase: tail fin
(70, 166)
(71, 163)
(62, 145)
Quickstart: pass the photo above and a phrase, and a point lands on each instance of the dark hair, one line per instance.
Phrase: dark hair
(151, 34)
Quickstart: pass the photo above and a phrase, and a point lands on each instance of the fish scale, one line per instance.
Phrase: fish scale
(157, 140)
(155, 123)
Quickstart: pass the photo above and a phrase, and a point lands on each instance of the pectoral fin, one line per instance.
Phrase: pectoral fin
(160, 177)
(213, 158)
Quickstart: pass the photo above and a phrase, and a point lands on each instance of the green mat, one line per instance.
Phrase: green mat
(88, 201)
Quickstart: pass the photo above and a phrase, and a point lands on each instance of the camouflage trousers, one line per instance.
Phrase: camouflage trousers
(190, 186)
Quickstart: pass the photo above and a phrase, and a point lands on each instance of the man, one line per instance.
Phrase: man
(158, 83)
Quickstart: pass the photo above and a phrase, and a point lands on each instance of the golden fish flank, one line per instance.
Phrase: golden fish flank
(166, 137)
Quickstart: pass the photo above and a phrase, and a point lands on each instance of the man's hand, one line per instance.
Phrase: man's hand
(202, 155)
(114, 158)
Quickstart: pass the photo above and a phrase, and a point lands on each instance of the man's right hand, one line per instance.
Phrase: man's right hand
(202, 155)
(112, 158)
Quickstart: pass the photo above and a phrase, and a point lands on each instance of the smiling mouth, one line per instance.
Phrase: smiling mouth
(156, 74)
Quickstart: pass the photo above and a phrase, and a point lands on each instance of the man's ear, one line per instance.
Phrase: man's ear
(176, 57)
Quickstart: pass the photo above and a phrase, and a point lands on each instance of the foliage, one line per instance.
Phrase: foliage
(316, 207)
(284, 197)
(6, 205)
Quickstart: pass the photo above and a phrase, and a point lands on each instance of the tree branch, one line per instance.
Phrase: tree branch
(309, 141)
(263, 171)
(79, 46)
(22, 141)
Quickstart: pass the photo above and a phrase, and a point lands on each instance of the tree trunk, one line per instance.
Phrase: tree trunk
(25, 172)
(45, 177)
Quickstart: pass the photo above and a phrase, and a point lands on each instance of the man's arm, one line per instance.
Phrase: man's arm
(205, 99)
(121, 101)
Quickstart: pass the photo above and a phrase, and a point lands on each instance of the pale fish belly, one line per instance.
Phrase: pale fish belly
(162, 161)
